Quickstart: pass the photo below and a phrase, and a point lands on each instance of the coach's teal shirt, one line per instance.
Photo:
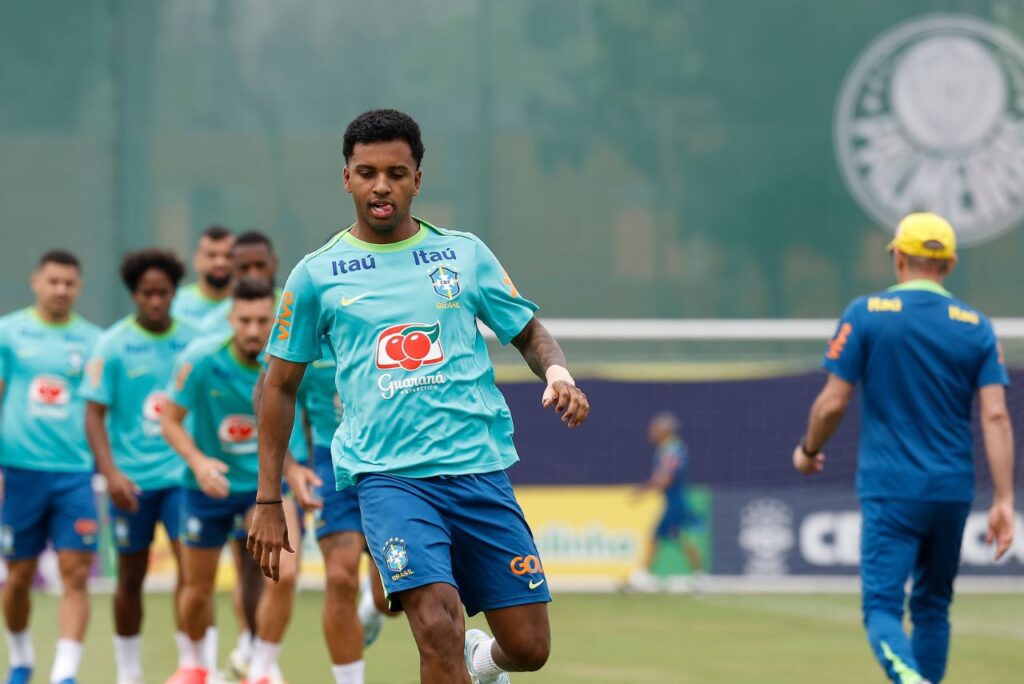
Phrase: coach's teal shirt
(412, 366)
(41, 365)
(920, 356)
(128, 373)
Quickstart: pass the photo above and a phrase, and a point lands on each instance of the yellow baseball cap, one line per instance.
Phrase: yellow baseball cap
(925, 234)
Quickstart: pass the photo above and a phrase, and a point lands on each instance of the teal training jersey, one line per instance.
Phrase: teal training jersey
(41, 364)
(128, 373)
(192, 306)
(401, 320)
(215, 386)
(319, 398)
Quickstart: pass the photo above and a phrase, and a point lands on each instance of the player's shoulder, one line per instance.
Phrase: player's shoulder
(203, 348)
(86, 327)
(115, 335)
(185, 329)
(451, 233)
(962, 312)
(15, 317)
(334, 244)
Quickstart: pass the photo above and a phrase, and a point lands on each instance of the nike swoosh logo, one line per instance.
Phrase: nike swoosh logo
(136, 372)
(346, 301)
(534, 585)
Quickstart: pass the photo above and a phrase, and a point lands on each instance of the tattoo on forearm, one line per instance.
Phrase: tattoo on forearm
(539, 348)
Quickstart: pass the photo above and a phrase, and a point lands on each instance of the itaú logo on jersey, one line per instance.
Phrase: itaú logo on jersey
(152, 408)
(49, 396)
(409, 346)
(237, 434)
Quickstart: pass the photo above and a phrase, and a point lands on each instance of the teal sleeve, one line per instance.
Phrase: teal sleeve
(296, 333)
(185, 387)
(993, 365)
(5, 354)
(502, 308)
(100, 372)
(846, 351)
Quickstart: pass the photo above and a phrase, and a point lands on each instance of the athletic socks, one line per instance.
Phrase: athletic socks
(65, 663)
(208, 654)
(483, 661)
(351, 673)
(264, 655)
(128, 654)
(19, 646)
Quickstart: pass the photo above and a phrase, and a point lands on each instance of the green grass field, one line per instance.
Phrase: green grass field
(620, 639)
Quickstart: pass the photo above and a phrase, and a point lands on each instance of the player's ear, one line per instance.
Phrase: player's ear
(347, 178)
(416, 182)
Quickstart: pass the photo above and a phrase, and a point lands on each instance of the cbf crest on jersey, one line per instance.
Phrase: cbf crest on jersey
(930, 117)
(446, 282)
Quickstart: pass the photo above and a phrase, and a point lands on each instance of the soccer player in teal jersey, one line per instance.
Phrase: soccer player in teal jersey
(212, 264)
(125, 385)
(213, 383)
(426, 436)
(252, 257)
(46, 463)
(921, 357)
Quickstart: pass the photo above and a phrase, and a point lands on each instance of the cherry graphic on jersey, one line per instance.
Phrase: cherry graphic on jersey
(410, 346)
(240, 431)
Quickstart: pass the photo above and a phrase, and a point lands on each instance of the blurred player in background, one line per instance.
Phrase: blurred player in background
(125, 386)
(252, 257)
(214, 382)
(47, 466)
(921, 356)
(671, 461)
(212, 264)
(428, 436)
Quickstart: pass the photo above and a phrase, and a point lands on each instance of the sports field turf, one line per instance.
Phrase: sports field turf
(622, 639)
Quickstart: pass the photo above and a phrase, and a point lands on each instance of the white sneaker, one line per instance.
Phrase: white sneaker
(369, 616)
(642, 580)
(276, 676)
(238, 664)
(474, 637)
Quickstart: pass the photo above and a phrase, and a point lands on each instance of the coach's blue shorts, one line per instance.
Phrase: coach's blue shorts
(340, 511)
(676, 519)
(41, 506)
(133, 532)
(208, 523)
(463, 530)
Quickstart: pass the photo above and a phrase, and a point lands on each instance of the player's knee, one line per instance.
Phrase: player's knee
(20, 576)
(343, 580)
(75, 576)
(531, 654)
(439, 635)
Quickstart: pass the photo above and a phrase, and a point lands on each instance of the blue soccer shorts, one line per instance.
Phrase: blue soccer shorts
(463, 530)
(41, 506)
(133, 532)
(340, 511)
(208, 523)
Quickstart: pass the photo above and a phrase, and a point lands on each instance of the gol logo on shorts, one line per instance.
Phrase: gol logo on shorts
(522, 565)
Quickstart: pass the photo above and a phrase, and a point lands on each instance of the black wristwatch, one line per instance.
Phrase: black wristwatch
(803, 448)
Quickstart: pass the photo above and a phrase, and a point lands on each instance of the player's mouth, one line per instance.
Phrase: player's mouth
(382, 209)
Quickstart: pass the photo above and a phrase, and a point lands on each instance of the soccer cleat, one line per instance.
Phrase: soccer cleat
(189, 675)
(19, 675)
(238, 664)
(369, 616)
(475, 637)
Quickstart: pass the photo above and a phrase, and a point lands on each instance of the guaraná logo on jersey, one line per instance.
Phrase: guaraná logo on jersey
(409, 346)
(446, 282)
(931, 118)
(152, 408)
(237, 434)
(49, 396)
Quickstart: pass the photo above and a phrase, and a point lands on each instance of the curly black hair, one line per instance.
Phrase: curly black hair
(383, 125)
(135, 264)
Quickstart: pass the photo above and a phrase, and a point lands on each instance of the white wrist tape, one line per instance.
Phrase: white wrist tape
(558, 373)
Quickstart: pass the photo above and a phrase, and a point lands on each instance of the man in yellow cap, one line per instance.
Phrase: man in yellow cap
(921, 356)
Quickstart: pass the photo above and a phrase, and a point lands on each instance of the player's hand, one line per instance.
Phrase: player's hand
(209, 475)
(304, 482)
(569, 400)
(808, 465)
(1000, 527)
(123, 491)
(268, 534)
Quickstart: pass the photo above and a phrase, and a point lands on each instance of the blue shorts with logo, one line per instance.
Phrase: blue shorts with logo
(208, 523)
(340, 512)
(133, 532)
(41, 506)
(677, 518)
(463, 530)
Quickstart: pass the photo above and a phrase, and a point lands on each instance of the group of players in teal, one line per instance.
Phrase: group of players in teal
(167, 405)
